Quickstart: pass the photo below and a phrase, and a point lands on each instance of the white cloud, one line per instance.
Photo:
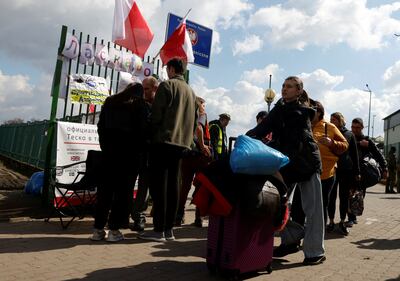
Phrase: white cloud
(242, 102)
(249, 45)
(261, 76)
(20, 99)
(325, 22)
(245, 99)
(352, 102)
(319, 82)
(41, 32)
(391, 78)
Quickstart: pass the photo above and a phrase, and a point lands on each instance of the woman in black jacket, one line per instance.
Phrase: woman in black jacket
(347, 176)
(122, 130)
(290, 124)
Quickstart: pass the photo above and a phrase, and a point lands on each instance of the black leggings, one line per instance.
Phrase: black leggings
(345, 180)
(327, 185)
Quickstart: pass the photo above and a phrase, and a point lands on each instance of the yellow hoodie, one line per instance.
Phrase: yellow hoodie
(329, 154)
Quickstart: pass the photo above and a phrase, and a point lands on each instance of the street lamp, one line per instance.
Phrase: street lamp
(269, 94)
(369, 110)
(373, 123)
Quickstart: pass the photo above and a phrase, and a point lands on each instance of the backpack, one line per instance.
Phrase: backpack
(370, 172)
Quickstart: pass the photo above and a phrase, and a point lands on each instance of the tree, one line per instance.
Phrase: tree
(14, 121)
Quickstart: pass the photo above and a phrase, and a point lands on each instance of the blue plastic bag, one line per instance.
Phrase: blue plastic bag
(253, 157)
(35, 184)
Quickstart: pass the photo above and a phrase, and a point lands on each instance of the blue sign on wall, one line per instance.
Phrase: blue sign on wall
(200, 36)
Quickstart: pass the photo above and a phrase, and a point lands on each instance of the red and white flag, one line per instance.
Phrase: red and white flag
(130, 29)
(178, 45)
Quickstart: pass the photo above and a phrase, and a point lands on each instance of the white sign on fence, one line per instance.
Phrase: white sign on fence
(74, 140)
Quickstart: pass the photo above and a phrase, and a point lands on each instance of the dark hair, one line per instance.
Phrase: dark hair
(320, 108)
(128, 95)
(358, 121)
(177, 64)
(304, 98)
(262, 114)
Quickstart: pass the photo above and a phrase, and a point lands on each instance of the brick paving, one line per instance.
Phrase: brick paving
(31, 249)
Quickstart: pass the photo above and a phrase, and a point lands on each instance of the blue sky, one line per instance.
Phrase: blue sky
(336, 47)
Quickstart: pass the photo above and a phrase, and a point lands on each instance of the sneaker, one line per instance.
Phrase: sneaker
(98, 235)
(153, 236)
(314, 260)
(284, 250)
(330, 227)
(198, 223)
(138, 225)
(114, 236)
(169, 235)
(343, 229)
(349, 223)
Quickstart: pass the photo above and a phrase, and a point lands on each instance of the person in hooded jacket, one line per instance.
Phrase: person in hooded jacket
(347, 176)
(121, 130)
(290, 124)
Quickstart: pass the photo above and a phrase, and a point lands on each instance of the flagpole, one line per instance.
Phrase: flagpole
(154, 58)
(187, 14)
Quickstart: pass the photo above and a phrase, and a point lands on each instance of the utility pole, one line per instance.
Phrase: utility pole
(369, 110)
(373, 123)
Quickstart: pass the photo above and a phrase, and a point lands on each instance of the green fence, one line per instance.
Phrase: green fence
(25, 142)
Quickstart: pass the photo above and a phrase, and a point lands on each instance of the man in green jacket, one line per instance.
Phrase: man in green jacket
(173, 121)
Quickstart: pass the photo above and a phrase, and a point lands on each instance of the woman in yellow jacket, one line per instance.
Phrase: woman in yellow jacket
(331, 144)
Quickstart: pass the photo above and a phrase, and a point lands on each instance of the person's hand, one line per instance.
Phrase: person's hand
(206, 151)
(364, 143)
(325, 141)
(385, 174)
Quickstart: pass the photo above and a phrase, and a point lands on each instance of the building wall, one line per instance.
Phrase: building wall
(392, 133)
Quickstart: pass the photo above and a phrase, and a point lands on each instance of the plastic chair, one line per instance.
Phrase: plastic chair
(73, 199)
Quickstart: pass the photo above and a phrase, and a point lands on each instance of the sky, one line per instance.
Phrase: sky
(336, 47)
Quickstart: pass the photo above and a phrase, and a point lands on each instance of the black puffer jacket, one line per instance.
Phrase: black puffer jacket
(290, 124)
(349, 160)
(123, 126)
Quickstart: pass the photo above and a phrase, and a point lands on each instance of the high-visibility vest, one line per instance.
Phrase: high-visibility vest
(220, 138)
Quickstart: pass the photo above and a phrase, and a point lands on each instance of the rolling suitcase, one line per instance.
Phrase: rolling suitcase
(239, 243)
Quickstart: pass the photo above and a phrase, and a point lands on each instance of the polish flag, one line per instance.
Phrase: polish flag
(130, 29)
(178, 45)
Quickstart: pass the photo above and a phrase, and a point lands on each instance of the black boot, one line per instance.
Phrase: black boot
(138, 225)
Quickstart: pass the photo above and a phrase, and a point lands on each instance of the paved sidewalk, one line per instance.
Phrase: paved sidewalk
(31, 249)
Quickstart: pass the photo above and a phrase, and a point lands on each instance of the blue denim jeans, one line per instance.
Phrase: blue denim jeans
(314, 226)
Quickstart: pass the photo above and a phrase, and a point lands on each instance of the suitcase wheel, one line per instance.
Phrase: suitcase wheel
(212, 269)
(269, 268)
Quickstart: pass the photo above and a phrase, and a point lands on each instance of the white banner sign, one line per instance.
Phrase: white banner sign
(144, 71)
(87, 54)
(74, 140)
(71, 47)
(101, 55)
(88, 89)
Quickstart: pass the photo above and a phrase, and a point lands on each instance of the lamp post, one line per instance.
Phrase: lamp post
(269, 94)
(369, 110)
(373, 123)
